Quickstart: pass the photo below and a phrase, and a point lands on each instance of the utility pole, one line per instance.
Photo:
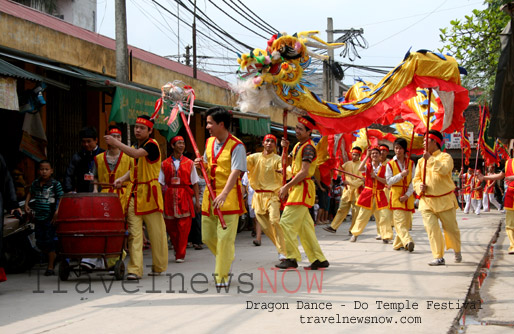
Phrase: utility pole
(194, 41)
(328, 78)
(187, 55)
(121, 47)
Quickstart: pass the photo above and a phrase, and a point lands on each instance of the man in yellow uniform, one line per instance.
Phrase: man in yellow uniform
(109, 166)
(144, 199)
(225, 159)
(264, 179)
(508, 204)
(296, 220)
(372, 199)
(353, 187)
(399, 176)
(437, 199)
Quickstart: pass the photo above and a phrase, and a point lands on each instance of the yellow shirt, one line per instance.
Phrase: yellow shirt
(351, 191)
(262, 171)
(439, 196)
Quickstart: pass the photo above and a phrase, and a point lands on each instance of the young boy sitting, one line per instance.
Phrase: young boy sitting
(46, 193)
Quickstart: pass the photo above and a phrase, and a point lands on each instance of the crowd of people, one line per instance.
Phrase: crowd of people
(169, 197)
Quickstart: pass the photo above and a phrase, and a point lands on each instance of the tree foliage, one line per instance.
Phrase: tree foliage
(475, 42)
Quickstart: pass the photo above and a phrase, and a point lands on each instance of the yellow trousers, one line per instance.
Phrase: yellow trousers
(383, 225)
(401, 220)
(342, 212)
(157, 234)
(221, 243)
(451, 230)
(297, 221)
(270, 224)
(509, 228)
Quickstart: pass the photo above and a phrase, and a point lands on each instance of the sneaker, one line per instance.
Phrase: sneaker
(378, 237)
(287, 264)
(458, 257)
(409, 246)
(386, 241)
(179, 260)
(317, 264)
(353, 238)
(257, 242)
(329, 229)
(437, 262)
(398, 249)
(222, 285)
(155, 273)
(350, 233)
(281, 257)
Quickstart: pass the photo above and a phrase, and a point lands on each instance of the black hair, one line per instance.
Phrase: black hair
(45, 162)
(88, 132)
(402, 142)
(438, 135)
(357, 148)
(114, 127)
(219, 115)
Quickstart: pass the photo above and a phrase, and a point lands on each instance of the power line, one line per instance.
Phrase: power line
(257, 16)
(224, 46)
(249, 18)
(214, 27)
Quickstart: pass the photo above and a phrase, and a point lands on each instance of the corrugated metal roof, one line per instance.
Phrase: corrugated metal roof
(11, 70)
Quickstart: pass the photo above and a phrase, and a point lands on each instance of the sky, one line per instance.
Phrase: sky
(390, 28)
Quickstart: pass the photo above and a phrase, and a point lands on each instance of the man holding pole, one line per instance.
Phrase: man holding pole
(144, 199)
(352, 189)
(437, 199)
(399, 175)
(225, 161)
(300, 192)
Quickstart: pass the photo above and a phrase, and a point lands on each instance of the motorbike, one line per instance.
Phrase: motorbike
(19, 251)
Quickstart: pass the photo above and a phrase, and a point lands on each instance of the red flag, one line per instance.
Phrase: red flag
(465, 145)
(486, 142)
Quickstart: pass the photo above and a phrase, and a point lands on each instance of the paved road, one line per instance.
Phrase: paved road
(368, 288)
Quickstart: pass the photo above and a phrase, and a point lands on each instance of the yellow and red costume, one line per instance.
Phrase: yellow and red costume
(508, 204)
(371, 200)
(266, 182)
(178, 202)
(402, 211)
(219, 241)
(296, 219)
(350, 194)
(107, 176)
(438, 202)
(145, 204)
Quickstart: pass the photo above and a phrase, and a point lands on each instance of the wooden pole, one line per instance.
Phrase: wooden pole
(284, 150)
(217, 211)
(426, 135)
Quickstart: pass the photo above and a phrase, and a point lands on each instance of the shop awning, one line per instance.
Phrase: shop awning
(11, 70)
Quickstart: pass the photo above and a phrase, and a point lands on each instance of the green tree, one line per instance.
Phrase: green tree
(475, 42)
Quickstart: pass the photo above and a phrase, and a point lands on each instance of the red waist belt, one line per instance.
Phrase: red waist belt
(448, 193)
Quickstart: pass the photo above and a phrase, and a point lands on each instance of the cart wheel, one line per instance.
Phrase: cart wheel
(64, 270)
(119, 270)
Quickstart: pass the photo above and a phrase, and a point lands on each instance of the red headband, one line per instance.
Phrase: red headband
(115, 131)
(270, 136)
(383, 148)
(308, 124)
(356, 151)
(144, 121)
(176, 139)
(437, 139)
(374, 147)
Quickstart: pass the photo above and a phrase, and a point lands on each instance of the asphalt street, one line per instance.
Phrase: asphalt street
(369, 288)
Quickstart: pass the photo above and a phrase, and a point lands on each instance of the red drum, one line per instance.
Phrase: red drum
(90, 225)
